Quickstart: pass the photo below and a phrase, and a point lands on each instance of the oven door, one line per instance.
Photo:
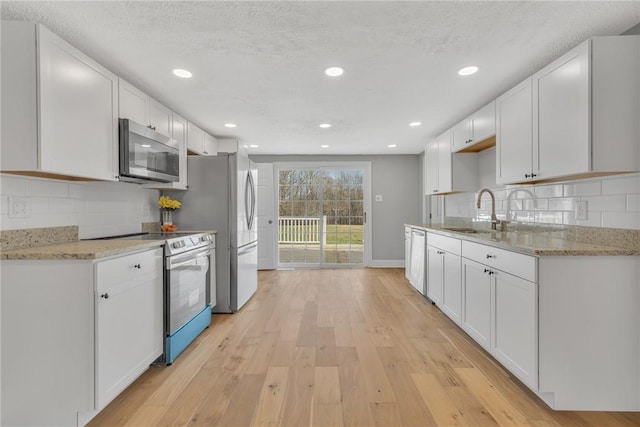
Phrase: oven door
(186, 287)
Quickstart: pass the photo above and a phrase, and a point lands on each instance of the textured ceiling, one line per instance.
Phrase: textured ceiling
(260, 64)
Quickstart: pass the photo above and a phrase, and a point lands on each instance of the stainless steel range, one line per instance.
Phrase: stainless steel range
(189, 287)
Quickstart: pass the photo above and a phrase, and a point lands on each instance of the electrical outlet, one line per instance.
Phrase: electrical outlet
(581, 210)
(19, 207)
(378, 197)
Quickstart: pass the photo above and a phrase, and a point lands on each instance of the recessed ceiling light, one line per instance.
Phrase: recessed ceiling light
(245, 146)
(392, 145)
(466, 71)
(185, 74)
(324, 146)
(145, 145)
(334, 71)
(230, 125)
(253, 146)
(325, 125)
(415, 124)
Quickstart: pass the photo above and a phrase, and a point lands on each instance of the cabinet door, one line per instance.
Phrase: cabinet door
(562, 116)
(133, 103)
(417, 260)
(445, 170)
(435, 274)
(461, 135)
(78, 112)
(514, 332)
(210, 145)
(129, 326)
(160, 118)
(452, 287)
(514, 135)
(431, 168)
(195, 138)
(483, 123)
(179, 133)
(476, 302)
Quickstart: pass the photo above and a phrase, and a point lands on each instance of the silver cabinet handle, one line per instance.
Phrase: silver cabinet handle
(105, 295)
(138, 266)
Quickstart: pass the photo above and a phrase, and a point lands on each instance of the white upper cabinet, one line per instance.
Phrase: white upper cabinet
(514, 135)
(446, 172)
(200, 142)
(470, 133)
(141, 108)
(58, 106)
(584, 115)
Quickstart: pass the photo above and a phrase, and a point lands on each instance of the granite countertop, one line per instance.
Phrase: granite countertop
(529, 243)
(82, 249)
(87, 249)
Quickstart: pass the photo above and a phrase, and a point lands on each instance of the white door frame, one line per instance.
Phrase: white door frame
(366, 166)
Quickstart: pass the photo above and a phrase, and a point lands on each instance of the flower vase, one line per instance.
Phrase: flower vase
(166, 217)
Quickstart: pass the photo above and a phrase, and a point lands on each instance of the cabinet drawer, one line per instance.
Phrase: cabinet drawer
(445, 243)
(141, 265)
(520, 265)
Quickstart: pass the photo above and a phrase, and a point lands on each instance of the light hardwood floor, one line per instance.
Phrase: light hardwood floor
(345, 347)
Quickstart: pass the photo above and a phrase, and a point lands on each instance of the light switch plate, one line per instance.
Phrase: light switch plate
(581, 210)
(378, 197)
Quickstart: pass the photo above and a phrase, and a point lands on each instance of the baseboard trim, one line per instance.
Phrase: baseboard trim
(387, 263)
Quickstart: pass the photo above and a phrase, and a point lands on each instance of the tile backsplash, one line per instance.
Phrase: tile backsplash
(612, 202)
(98, 208)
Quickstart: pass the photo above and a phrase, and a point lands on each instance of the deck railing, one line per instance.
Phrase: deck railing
(302, 230)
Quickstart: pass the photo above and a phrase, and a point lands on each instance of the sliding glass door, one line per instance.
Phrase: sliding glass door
(322, 215)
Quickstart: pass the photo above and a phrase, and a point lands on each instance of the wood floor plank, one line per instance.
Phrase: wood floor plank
(297, 408)
(272, 396)
(352, 347)
(443, 410)
(355, 403)
(379, 388)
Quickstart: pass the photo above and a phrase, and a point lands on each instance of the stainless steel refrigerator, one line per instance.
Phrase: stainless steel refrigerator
(222, 195)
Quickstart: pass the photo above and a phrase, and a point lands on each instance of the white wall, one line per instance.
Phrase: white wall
(98, 208)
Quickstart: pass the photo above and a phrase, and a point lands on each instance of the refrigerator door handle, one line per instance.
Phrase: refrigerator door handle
(248, 248)
(247, 199)
(251, 187)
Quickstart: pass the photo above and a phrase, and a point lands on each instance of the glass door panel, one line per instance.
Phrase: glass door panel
(321, 218)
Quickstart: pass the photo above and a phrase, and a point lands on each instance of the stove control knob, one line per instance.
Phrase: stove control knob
(204, 238)
(176, 245)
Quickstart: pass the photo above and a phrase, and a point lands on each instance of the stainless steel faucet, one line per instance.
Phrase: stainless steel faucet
(494, 219)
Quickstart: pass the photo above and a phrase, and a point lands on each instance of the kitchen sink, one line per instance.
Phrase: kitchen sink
(464, 230)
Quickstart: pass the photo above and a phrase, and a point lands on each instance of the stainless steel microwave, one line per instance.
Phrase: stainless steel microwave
(146, 155)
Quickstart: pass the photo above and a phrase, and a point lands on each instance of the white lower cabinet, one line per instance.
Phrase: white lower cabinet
(500, 310)
(514, 329)
(87, 329)
(128, 320)
(476, 302)
(444, 286)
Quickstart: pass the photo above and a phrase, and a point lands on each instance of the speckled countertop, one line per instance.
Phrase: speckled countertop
(530, 242)
(82, 249)
(86, 249)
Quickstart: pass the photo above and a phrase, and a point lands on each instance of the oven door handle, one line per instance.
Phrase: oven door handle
(175, 262)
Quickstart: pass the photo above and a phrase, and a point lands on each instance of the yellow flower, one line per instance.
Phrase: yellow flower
(165, 202)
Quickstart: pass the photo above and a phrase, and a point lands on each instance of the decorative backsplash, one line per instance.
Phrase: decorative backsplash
(98, 208)
(612, 202)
